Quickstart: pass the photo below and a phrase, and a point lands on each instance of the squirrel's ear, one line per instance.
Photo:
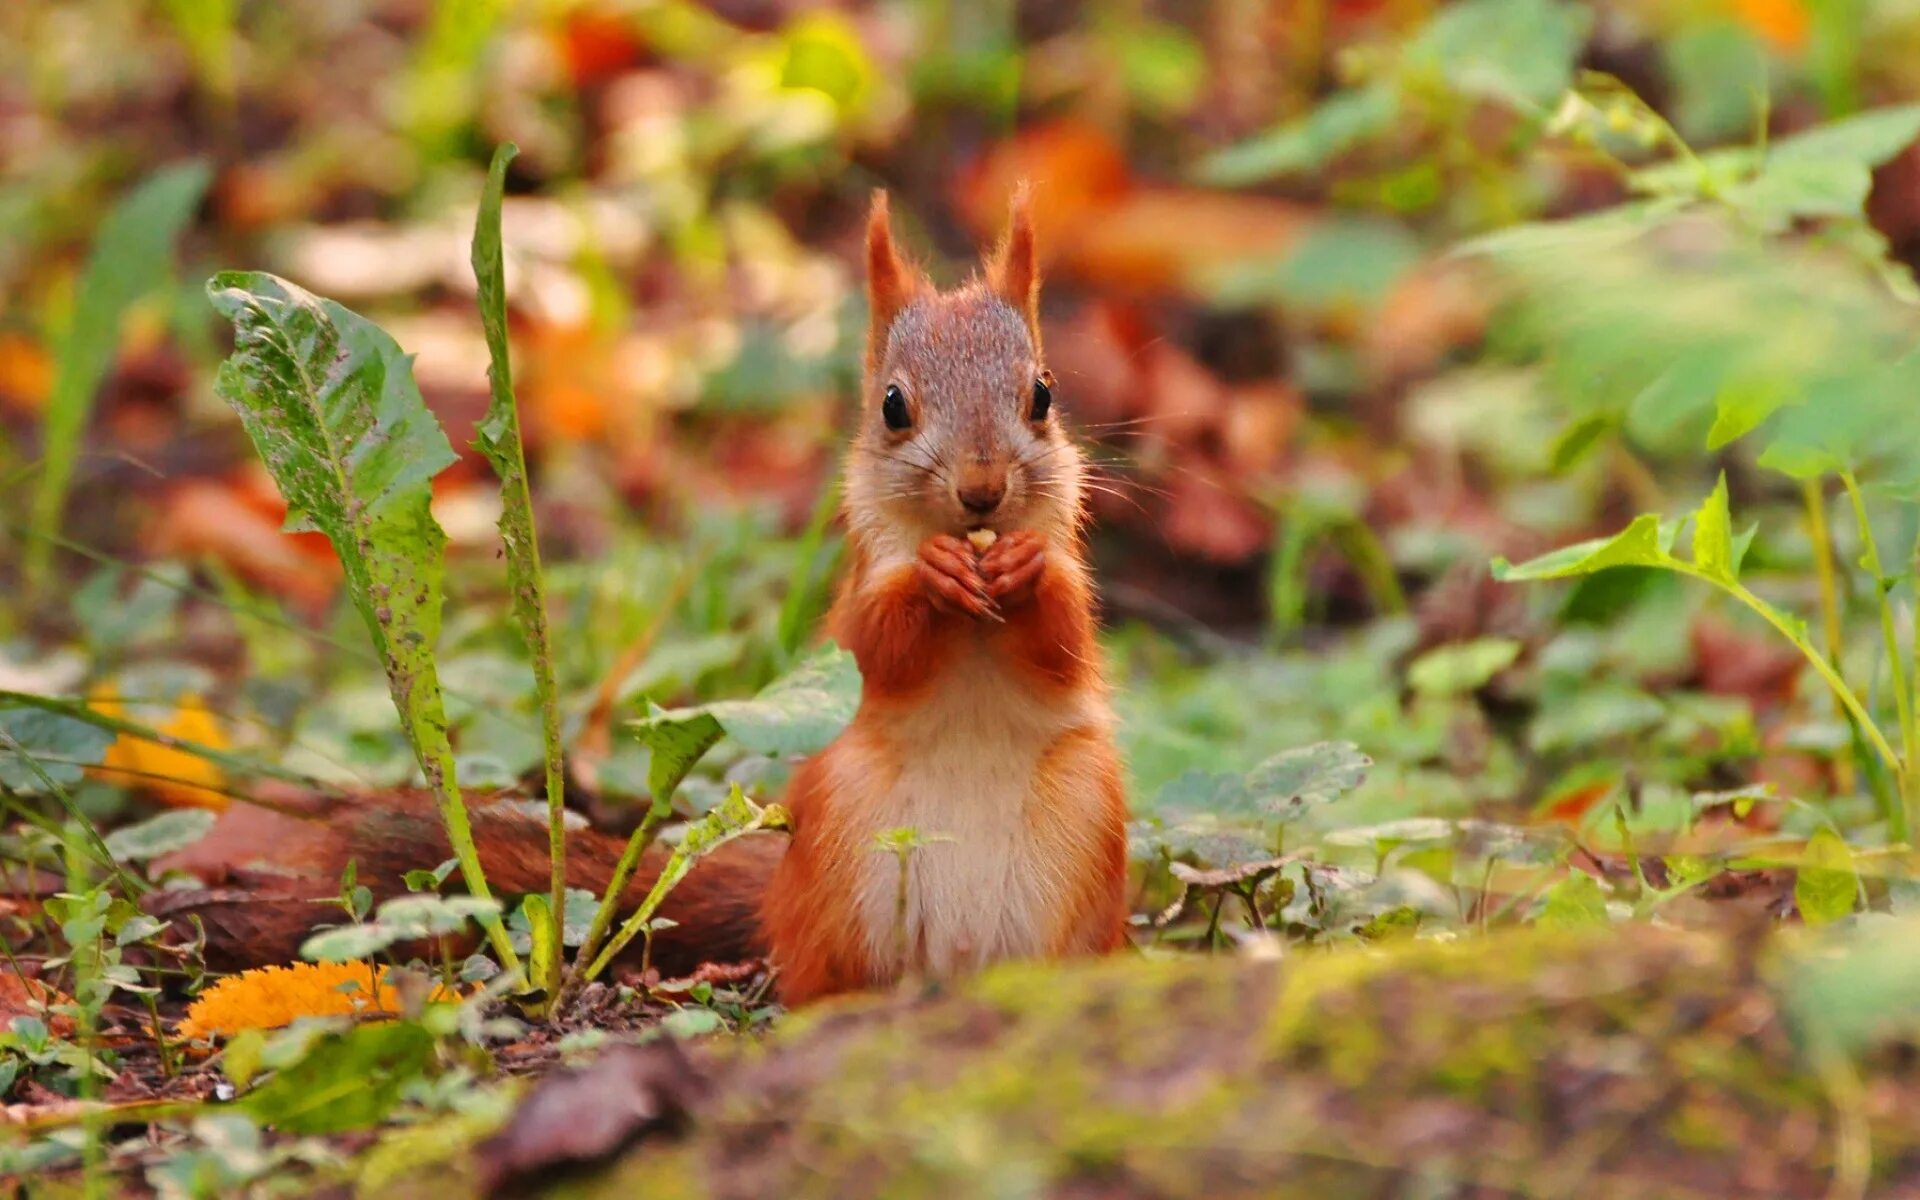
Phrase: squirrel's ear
(891, 283)
(1012, 272)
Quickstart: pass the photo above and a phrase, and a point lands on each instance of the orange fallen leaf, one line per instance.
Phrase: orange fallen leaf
(238, 522)
(1785, 24)
(26, 374)
(23, 997)
(171, 775)
(1093, 220)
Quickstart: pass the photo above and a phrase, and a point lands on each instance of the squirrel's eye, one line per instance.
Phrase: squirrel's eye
(893, 409)
(1042, 397)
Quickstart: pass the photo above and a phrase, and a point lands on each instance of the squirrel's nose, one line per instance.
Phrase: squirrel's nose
(981, 496)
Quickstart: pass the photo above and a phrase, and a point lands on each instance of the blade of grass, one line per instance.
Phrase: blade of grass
(1896, 659)
(132, 255)
(498, 437)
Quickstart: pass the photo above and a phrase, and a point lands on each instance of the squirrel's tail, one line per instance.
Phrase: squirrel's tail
(266, 870)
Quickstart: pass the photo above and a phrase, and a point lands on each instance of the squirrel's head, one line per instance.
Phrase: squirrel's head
(959, 429)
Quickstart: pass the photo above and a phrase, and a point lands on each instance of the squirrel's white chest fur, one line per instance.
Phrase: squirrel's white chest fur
(983, 888)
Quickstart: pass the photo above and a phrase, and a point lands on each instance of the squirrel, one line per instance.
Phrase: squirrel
(983, 721)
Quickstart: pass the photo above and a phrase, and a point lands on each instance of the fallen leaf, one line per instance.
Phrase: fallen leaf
(169, 775)
(24, 997)
(1751, 663)
(582, 1116)
(237, 522)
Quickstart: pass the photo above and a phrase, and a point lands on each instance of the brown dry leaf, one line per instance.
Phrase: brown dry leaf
(24, 997)
(1731, 661)
(1175, 239)
(1430, 312)
(582, 1116)
(1205, 516)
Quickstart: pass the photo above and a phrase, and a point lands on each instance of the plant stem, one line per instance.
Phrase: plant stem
(610, 900)
(1896, 817)
(1896, 661)
(1844, 776)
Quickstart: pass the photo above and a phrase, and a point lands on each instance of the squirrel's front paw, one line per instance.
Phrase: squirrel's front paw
(951, 575)
(1012, 566)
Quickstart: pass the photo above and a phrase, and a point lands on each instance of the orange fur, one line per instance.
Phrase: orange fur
(983, 709)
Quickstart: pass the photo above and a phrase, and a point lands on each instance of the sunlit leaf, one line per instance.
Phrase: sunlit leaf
(1713, 535)
(1826, 884)
(1576, 902)
(1641, 544)
(1452, 670)
(799, 713)
(348, 1080)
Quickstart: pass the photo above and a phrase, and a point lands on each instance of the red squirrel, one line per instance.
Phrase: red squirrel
(983, 720)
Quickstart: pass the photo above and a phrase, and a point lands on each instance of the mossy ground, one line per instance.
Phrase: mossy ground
(1636, 1064)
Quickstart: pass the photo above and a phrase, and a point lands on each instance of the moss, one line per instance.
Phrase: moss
(1641, 1063)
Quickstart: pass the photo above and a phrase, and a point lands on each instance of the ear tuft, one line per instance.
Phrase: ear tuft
(1013, 271)
(890, 282)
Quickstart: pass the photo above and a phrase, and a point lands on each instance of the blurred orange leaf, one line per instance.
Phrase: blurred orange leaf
(237, 522)
(172, 776)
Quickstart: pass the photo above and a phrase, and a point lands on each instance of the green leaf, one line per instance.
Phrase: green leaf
(159, 835)
(733, 817)
(1595, 713)
(1853, 989)
(1713, 536)
(1742, 405)
(1576, 902)
(330, 403)
(498, 437)
(1165, 68)
(1826, 884)
(62, 746)
(425, 915)
(1278, 790)
(1789, 189)
(675, 744)
(1341, 264)
(1453, 670)
(1640, 544)
(798, 713)
(132, 256)
(347, 1081)
(1869, 138)
(1520, 52)
(1306, 143)
(574, 925)
(345, 943)
(1579, 439)
(1863, 142)
(543, 953)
